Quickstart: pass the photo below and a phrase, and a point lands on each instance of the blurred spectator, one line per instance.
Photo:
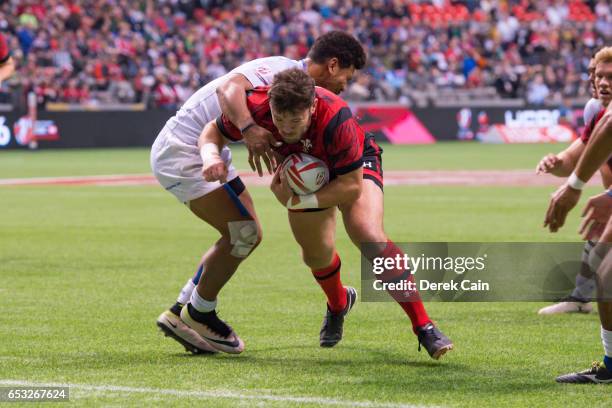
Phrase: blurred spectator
(158, 52)
(165, 94)
(359, 89)
(537, 90)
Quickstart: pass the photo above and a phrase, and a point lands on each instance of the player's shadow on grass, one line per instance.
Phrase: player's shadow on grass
(282, 355)
(387, 372)
(322, 357)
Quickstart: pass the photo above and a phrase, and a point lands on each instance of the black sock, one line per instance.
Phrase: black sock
(200, 316)
(210, 319)
(176, 308)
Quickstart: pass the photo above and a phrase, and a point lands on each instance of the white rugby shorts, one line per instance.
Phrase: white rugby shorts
(178, 167)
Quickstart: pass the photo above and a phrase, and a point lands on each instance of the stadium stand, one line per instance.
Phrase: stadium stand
(157, 53)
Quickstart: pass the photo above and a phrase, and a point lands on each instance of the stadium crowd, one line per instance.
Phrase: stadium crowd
(159, 52)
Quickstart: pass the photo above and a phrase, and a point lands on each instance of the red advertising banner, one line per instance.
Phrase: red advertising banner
(395, 124)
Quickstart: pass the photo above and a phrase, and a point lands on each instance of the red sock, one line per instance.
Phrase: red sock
(409, 301)
(329, 280)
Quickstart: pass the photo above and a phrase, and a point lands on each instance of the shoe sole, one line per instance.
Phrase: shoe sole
(581, 311)
(190, 348)
(583, 381)
(550, 310)
(442, 351)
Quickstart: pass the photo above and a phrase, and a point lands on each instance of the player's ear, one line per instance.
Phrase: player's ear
(333, 65)
(313, 108)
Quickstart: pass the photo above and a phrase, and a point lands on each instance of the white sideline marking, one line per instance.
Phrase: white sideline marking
(212, 394)
(520, 178)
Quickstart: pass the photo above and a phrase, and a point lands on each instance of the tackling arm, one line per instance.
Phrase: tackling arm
(233, 102)
(210, 143)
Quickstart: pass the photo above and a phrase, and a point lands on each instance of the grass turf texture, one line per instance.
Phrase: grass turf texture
(86, 270)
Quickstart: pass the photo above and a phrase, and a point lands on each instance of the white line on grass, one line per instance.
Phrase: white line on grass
(213, 394)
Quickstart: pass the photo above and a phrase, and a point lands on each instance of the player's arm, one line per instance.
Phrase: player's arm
(597, 151)
(7, 69)
(210, 143)
(562, 164)
(233, 102)
(344, 189)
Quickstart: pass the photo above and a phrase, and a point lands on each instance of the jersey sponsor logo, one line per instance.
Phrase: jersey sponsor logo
(263, 70)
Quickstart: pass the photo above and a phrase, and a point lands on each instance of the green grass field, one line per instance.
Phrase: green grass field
(85, 270)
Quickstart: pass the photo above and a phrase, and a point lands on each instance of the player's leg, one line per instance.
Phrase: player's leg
(579, 300)
(601, 261)
(604, 303)
(233, 215)
(177, 167)
(315, 233)
(363, 220)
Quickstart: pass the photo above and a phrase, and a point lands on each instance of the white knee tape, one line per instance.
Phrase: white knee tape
(243, 237)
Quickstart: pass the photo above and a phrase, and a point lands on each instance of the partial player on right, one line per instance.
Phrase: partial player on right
(598, 151)
(7, 65)
(562, 165)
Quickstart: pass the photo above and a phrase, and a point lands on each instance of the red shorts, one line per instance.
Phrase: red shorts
(372, 166)
(372, 161)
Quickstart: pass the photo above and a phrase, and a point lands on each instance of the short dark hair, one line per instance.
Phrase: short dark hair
(341, 45)
(292, 90)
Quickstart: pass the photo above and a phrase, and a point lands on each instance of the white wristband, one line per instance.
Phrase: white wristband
(574, 182)
(209, 151)
(302, 202)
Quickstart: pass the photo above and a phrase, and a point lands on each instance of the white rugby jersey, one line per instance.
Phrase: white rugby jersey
(203, 105)
(592, 108)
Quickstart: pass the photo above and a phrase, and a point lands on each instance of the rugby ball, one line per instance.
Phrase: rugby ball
(305, 174)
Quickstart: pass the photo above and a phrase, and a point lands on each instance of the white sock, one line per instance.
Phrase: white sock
(185, 294)
(585, 288)
(202, 305)
(606, 340)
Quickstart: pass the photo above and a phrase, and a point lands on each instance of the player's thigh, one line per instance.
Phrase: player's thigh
(363, 218)
(315, 232)
(220, 208)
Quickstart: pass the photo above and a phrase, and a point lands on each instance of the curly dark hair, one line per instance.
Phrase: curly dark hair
(341, 45)
(292, 91)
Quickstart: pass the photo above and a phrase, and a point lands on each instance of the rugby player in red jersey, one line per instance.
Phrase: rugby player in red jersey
(313, 120)
(332, 63)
